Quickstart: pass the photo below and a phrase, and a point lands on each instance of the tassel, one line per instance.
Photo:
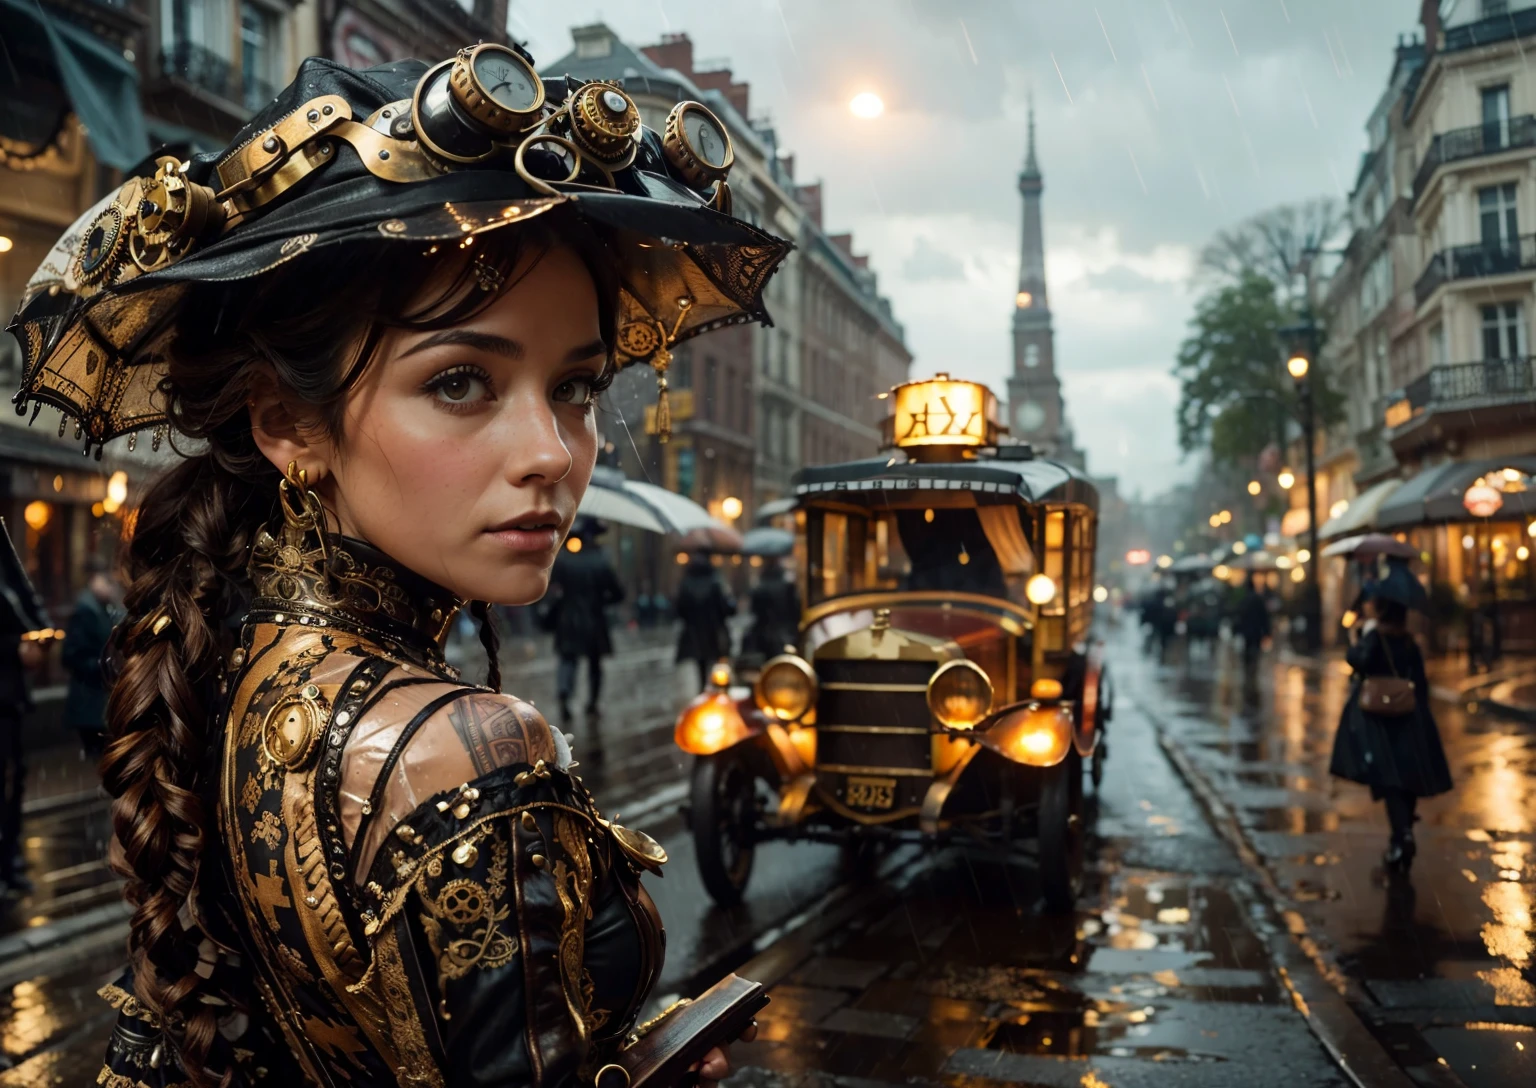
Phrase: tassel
(663, 410)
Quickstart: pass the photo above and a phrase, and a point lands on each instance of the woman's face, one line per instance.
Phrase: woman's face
(465, 451)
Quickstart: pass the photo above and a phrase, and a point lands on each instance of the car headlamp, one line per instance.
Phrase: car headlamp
(960, 694)
(1037, 736)
(786, 687)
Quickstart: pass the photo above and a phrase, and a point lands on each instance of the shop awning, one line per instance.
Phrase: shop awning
(102, 84)
(1435, 495)
(1362, 511)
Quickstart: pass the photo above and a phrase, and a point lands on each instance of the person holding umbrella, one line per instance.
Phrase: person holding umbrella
(775, 603)
(1387, 737)
(704, 605)
(582, 587)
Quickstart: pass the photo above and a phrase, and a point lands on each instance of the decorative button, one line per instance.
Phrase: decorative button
(311, 901)
(466, 853)
(343, 718)
(529, 823)
(539, 861)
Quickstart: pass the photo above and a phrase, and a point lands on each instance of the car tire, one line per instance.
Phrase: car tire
(723, 813)
(1062, 834)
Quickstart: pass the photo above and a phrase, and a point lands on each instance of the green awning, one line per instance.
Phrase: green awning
(102, 85)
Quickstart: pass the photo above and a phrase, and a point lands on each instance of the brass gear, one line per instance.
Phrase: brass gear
(604, 121)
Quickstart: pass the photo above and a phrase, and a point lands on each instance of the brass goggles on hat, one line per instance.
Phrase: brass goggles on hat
(487, 107)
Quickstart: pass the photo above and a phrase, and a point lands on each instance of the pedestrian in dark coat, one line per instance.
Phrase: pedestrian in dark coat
(775, 606)
(581, 588)
(21, 611)
(1252, 622)
(704, 606)
(1400, 758)
(90, 626)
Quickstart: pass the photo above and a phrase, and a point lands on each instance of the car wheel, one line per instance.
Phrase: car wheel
(724, 816)
(1096, 768)
(1062, 834)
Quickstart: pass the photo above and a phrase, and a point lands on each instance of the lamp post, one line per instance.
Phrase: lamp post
(1300, 342)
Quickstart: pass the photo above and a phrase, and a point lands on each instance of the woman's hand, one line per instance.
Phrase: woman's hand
(716, 1065)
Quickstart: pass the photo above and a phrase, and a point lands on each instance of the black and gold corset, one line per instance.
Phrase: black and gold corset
(425, 893)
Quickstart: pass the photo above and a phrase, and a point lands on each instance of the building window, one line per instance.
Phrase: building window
(1495, 117)
(1031, 355)
(1488, 9)
(260, 46)
(1504, 331)
(1496, 212)
(1437, 344)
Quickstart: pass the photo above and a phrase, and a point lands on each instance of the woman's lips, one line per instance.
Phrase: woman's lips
(527, 540)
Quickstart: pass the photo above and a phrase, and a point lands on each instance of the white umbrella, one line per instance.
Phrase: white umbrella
(606, 504)
(613, 497)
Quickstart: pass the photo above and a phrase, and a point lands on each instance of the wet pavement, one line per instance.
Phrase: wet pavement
(1439, 965)
(938, 967)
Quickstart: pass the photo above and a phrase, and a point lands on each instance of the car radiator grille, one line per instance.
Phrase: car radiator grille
(872, 718)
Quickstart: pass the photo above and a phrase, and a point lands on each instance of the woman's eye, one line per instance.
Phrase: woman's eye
(580, 391)
(460, 388)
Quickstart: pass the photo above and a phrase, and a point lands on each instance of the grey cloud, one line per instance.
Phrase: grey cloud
(953, 138)
(929, 262)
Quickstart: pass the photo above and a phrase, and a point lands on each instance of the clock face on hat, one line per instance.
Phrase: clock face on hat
(705, 137)
(1028, 415)
(509, 84)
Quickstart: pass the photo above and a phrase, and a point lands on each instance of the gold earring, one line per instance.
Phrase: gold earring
(309, 517)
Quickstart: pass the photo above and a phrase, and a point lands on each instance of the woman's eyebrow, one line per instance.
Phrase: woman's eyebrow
(481, 341)
(586, 351)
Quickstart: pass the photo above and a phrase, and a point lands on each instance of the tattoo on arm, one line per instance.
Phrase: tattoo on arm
(493, 730)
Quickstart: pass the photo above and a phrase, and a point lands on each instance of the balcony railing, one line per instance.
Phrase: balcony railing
(207, 70)
(1463, 385)
(1492, 258)
(1471, 142)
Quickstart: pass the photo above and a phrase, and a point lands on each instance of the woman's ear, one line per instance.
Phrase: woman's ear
(284, 437)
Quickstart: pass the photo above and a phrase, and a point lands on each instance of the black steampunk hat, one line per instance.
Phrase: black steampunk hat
(400, 152)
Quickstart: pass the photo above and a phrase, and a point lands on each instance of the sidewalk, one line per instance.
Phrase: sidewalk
(1439, 966)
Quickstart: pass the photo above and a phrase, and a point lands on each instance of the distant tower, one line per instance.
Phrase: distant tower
(1036, 412)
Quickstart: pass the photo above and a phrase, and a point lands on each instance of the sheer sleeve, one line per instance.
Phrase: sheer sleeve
(503, 914)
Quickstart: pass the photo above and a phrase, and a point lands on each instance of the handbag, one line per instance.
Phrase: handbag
(1389, 696)
(658, 1054)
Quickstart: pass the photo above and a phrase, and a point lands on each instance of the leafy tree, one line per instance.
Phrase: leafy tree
(1234, 392)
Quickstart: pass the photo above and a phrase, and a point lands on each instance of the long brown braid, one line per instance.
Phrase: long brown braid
(187, 556)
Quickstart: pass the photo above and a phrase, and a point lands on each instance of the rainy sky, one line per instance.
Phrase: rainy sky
(1159, 121)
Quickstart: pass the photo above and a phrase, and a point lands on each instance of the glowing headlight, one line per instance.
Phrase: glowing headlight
(1045, 688)
(1040, 589)
(786, 688)
(709, 724)
(1037, 736)
(960, 694)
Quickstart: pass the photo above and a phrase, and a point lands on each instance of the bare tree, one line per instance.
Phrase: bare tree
(1275, 244)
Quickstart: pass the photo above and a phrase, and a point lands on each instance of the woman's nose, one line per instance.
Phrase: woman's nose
(538, 450)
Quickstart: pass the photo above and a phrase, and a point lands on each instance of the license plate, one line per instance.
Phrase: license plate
(871, 792)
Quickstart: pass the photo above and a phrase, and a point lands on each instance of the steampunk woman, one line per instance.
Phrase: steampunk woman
(380, 320)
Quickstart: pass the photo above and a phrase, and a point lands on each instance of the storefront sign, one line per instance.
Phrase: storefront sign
(1481, 500)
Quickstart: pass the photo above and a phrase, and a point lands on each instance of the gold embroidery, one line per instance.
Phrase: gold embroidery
(294, 963)
(271, 893)
(336, 1040)
(573, 882)
(457, 908)
(250, 793)
(416, 1064)
(268, 829)
(125, 1003)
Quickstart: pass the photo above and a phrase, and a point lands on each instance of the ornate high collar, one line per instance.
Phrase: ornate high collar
(345, 582)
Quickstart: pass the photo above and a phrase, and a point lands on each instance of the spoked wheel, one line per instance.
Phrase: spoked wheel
(1096, 764)
(724, 816)
(1062, 834)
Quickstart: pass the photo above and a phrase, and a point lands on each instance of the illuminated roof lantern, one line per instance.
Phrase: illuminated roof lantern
(941, 416)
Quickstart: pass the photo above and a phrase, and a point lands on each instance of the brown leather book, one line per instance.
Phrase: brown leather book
(659, 1054)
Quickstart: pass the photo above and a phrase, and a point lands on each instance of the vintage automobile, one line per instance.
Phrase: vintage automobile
(944, 684)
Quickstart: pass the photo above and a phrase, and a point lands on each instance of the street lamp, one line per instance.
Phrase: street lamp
(1286, 479)
(1254, 487)
(1300, 343)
